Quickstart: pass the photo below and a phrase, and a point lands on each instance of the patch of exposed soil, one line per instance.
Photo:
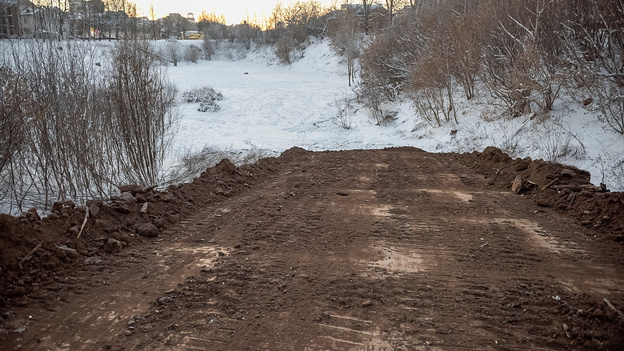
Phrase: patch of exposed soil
(558, 186)
(38, 251)
(362, 250)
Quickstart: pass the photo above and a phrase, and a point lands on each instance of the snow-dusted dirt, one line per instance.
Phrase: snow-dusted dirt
(271, 107)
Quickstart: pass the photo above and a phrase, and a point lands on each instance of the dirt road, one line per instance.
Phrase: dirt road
(363, 250)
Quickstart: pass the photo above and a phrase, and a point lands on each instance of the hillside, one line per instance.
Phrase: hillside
(269, 108)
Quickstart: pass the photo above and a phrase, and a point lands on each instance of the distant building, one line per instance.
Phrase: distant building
(9, 18)
(86, 6)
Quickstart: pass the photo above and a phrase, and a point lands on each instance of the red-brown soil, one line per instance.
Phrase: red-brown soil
(392, 249)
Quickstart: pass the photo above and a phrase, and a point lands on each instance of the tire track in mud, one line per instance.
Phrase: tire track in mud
(400, 263)
(362, 250)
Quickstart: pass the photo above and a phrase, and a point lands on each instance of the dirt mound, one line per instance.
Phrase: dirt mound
(565, 188)
(34, 250)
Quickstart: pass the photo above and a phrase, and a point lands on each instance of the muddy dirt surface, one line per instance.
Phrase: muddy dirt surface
(363, 250)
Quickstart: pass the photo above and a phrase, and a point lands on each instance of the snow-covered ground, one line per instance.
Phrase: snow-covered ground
(274, 107)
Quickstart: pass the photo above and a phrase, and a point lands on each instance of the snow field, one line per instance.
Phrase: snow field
(274, 107)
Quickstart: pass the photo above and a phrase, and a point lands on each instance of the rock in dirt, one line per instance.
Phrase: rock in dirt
(225, 166)
(92, 261)
(145, 208)
(517, 186)
(105, 225)
(148, 230)
(568, 173)
(159, 223)
(74, 230)
(59, 206)
(127, 196)
(225, 193)
(131, 188)
(174, 218)
(32, 215)
(523, 165)
(543, 203)
(112, 246)
(94, 209)
(122, 207)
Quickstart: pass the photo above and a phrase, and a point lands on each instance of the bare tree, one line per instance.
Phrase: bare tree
(173, 52)
(366, 5)
(347, 41)
(393, 6)
(595, 44)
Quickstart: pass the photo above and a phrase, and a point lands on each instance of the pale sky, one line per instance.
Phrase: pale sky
(235, 11)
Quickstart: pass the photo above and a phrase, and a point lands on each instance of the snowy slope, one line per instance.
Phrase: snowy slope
(274, 107)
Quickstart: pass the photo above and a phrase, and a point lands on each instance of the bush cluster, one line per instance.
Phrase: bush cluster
(525, 53)
(78, 120)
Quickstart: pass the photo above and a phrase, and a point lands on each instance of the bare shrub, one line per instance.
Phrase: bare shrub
(192, 163)
(193, 53)
(346, 108)
(173, 52)
(62, 102)
(291, 26)
(89, 124)
(595, 46)
(559, 144)
(243, 34)
(284, 49)
(372, 98)
(522, 56)
(387, 62)
(12, 119)
(204, 94)
(142, 102)
(207, 97)
(430, 103)
(208, 47)
(432, 84)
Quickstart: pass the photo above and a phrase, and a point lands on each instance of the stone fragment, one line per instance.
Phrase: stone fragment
(148, 230)
(131, 188)
(112, 246)
(516, 186)
(568, 173)
(522, 165)
(94, 209)
(127, 196)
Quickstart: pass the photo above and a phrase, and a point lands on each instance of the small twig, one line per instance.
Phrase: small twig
(27, 257)
(84, 222)
(613, 308)
(482, 246)
(550, 184)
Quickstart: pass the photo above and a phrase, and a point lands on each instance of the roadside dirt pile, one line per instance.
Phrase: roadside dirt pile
(554, 185)
(36, 250)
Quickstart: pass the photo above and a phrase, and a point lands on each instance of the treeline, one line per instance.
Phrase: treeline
(524, 53)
